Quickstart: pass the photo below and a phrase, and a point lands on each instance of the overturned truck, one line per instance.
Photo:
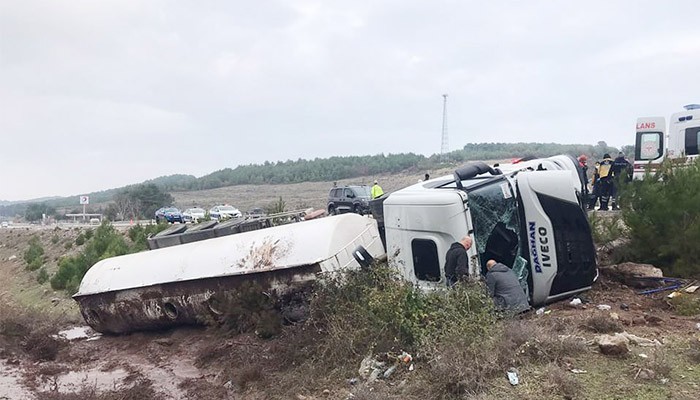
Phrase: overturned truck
(527, 216)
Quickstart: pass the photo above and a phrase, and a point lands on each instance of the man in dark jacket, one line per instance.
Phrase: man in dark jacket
(505, 288)
(456, 261)
(619, 171)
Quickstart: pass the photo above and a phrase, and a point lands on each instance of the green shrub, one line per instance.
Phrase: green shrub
(34, 255)
(276, 207)
(138, 234)
(375, 310)
(80, 240)
(42, 276)
(606, 227)
(663, 218)
(685, 304)
(55, 239)
(106, 242)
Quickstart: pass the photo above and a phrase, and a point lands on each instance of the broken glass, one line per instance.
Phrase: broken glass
(494, 212)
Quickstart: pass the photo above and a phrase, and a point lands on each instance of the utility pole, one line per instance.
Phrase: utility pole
(445, 148)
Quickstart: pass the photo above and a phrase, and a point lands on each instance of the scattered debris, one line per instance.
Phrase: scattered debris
(540, 311)
(603, 307)
(12, 258)
(389, 371)
(624, 306)
(663, 284)
(575, 303)
(578, 371)
(674, 294)
(691, 289)
(614, 316)
(513, 376)
(55, 301)
(405, 358)
(697, 325)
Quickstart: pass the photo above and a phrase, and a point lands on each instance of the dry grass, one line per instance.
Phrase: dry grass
(602, 323)
(563, 383)
(693, 351)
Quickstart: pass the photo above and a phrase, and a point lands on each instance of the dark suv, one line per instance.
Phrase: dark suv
(349, 199)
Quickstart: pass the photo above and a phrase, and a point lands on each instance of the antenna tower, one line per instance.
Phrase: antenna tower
(445, 148)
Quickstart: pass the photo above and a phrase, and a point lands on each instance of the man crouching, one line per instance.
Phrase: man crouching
(505, 289)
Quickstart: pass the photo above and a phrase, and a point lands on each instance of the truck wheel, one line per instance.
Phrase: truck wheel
(331, 210)
(358, 210)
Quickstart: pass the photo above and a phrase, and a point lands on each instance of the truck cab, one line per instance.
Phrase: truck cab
(529, 220)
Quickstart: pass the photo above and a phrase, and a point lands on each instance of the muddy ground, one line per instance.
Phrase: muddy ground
(200, 363)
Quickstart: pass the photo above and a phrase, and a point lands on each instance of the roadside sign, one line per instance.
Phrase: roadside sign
(84, 200)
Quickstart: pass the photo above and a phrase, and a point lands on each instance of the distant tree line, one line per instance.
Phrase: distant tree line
(141, 199)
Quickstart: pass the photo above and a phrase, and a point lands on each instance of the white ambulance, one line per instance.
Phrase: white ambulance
(654, 143)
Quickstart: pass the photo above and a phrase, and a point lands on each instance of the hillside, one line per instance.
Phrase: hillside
(295, 195)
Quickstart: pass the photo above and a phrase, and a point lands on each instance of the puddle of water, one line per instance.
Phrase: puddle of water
(79, 332)
(166, 379)
(10, 386)
(74, 381)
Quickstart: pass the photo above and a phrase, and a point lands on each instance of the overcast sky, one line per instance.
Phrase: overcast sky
(100, 94)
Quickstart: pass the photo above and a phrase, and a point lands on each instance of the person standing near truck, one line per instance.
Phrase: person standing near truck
(605, 180)
(376, 190)
(583, 163)
(620, 174)
(505, 290)
(457, 262)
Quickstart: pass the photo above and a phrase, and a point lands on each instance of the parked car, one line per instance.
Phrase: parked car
(224, 212)
(193, 214)
(349, 199)
(168, 214)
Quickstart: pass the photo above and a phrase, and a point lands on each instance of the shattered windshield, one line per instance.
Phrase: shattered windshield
(494, 212)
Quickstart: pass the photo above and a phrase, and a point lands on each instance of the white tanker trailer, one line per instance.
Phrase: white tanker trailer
(181, 284)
